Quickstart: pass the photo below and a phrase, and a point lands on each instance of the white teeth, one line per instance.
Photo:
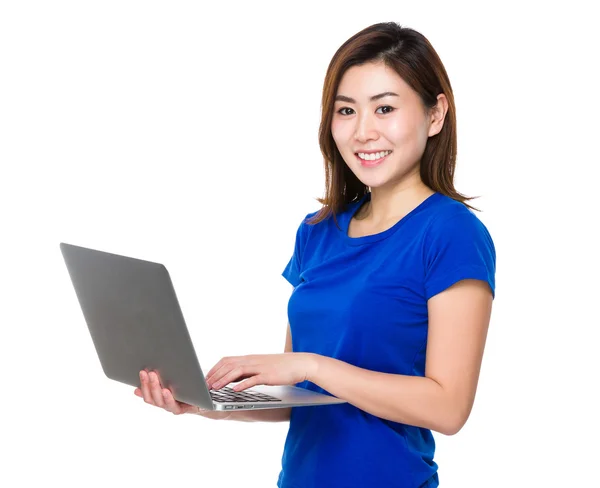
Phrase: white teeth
(374, 156)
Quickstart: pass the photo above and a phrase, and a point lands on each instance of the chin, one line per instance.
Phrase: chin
(371, 178)
(377, 184)
(373, 183)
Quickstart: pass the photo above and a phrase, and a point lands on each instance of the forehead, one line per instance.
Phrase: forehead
(363, 81)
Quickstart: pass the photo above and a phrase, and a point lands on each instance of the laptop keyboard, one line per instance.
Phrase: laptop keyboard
(227, 394)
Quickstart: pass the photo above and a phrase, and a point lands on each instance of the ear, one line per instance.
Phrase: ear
(437, 115)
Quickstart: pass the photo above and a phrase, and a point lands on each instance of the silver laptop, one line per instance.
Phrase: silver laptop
(135, 321)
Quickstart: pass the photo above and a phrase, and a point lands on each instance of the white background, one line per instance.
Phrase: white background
(187, 135)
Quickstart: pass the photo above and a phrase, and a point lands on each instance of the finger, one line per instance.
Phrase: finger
(239, 378)
(228, 363)
(177, 406)
(145, 387)
(219, 379)
(218, 374)
(234, 375)
(258, 379)
(231, 363)
(155, 390)
(137, 392)
(170, 403)
(216, 367)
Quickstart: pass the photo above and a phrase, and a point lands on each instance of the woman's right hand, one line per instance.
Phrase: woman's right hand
(154, 394)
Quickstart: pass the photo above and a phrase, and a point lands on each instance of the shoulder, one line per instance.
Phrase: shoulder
(309, 216)
(455, 232)
(305, 225)
(457, 245)
(305, 229)
(450, 217)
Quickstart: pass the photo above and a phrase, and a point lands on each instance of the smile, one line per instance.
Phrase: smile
(373, 162)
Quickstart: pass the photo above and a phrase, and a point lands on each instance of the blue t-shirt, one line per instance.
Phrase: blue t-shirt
(364, 301)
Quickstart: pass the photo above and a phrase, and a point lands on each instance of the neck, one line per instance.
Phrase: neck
(393, 203)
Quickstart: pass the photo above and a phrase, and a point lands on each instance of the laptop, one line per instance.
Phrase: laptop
(136, 323)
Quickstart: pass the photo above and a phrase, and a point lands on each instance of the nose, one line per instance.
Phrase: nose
(366, 128)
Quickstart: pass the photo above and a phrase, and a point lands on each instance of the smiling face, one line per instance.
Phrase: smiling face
(375, 110)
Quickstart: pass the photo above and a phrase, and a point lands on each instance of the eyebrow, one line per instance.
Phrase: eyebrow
(342, 98)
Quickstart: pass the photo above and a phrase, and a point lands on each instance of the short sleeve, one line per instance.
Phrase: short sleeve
(294, 267)
(458, 248)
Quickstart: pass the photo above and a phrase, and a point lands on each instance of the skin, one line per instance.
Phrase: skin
(153, 393)
(458, 317)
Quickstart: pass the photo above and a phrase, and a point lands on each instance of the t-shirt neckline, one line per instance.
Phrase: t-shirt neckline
(355, 206)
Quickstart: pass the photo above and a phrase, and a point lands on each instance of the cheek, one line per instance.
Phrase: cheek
(401, 130)
(340, 131)
(406, 133)
(335, 130)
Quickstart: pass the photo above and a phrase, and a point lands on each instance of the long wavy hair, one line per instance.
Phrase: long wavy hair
(412, 56)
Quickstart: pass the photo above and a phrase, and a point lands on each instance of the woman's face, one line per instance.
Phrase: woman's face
(394, 122)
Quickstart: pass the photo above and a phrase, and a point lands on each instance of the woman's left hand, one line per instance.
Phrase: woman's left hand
(266, 369)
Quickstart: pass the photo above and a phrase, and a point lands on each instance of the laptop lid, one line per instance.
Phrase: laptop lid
(135, 321)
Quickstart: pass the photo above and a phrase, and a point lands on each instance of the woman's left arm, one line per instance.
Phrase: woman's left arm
(441, 400)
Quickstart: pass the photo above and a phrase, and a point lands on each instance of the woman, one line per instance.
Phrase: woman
(393, 281)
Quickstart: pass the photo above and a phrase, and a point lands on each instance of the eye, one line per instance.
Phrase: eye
(340, 111)
(391, 109)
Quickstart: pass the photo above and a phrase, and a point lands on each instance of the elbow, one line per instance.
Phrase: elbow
(453, 423)
(451, 428)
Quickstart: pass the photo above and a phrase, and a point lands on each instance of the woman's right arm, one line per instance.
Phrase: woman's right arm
(153, 393)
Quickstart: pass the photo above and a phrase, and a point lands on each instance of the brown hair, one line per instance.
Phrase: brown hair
(412, 56)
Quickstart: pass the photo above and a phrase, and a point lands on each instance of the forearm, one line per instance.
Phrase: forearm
(262, 415)
(412, 400)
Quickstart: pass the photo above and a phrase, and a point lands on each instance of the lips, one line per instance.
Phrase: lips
(370, 164)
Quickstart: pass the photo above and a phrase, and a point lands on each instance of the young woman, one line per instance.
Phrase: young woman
(393, 280)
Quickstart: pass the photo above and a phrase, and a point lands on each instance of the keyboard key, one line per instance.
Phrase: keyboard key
(228, 395)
